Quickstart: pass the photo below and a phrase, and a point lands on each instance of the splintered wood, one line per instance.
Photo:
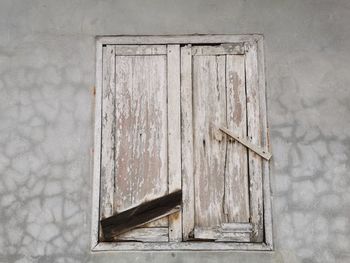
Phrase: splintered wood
(140, 215)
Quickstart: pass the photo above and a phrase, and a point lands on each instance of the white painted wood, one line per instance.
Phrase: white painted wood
(236, 202)
(265, 142)
(133, 50)
(145, 234)
(236, 227)
(180, 246)
(141, 131)
(254, 135)
(174, 136)
(187, 143)
(108, 132)
(182, 39)
(209, 150)
(215, 233)
(257, 149)
(95, 214)
(227, 49)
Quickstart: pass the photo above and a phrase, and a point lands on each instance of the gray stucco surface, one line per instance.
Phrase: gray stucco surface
(47, 69)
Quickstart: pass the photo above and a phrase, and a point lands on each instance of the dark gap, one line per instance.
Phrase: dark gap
(115, 128)
(100, 153)
(226, 144)
(246, 114)
(193, 117)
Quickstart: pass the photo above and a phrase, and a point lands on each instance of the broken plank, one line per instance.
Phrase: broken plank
(140, 215)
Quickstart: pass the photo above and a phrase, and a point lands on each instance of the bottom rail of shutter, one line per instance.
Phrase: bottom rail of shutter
(225, 233)
(145, 234)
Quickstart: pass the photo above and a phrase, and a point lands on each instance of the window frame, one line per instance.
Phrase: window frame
(257, 39)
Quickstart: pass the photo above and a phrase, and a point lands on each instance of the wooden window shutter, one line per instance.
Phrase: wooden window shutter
(222, 176)
(140, 144)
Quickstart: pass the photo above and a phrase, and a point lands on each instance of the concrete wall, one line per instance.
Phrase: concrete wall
(47, 72)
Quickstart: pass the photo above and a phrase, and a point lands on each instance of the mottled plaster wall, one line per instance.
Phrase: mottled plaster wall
(46, 77)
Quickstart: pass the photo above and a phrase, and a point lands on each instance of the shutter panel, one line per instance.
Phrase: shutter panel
(224, 176)
(134, 156)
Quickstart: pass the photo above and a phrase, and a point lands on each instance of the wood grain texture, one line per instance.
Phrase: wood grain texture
(140, 215)
(180, 246)
(187, 143)
(209, 106)
(133, 50)
(236, 174)
(180, 39)
(224, 49)
(266, 145)
(95, 213)
(141, 134)
(255, 136)
(242, 140)
(215, 234)
(145, 234)
(174, 136)
(108, 132)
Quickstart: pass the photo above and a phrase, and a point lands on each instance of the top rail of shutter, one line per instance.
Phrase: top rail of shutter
(223, 49)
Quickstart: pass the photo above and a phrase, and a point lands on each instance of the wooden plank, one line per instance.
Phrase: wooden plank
(180, 39)
(95, 214)
(224, 49)
(141, 134)
(140, 215)
(255, 137)
(209, 105)
(132, 50)
(258, 150)
(266, 144)
(215, 233)
(187, 143)
(180, 246)
(145, 234)
(236, 227)
(174, 136)
(108, 132)
(236, 203)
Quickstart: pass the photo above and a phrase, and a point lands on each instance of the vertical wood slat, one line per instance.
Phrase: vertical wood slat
(187, 143)
(265, 144)
(174, 136)
(95, 223)
(108, 132)
(209, 106)
(236, 173)
(255, 136)
(141, 134)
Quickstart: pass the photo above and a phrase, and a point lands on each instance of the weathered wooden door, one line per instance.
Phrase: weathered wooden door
(223, 196)
(141, 89)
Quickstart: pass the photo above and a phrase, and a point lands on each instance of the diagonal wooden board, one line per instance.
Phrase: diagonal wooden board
(258, 150)
(144, 213)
